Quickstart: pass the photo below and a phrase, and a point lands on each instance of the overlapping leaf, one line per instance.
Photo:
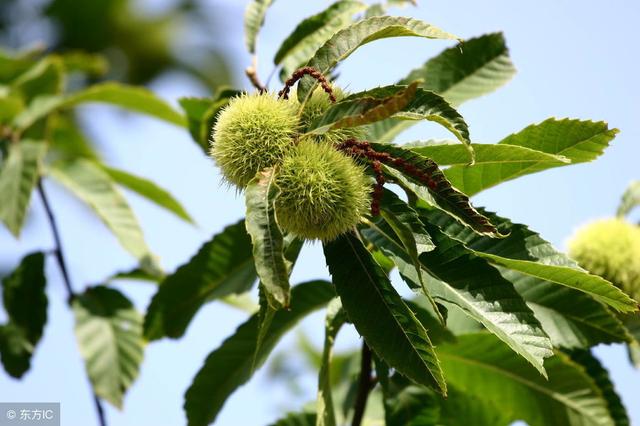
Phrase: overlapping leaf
(481, 366)
(87, 181)
(222, 266)
(267, 239)
(366, 292)
(230, 366)
(346, 41)
(442, 193)
(312, 33)
(149, 190)
(19, 173)
(579, 141)
(630, 199)
(109, 333)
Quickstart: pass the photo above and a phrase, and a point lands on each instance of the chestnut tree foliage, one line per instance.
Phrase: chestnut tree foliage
(499, 325)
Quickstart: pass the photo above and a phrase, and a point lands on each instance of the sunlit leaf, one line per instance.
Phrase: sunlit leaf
(253, 20)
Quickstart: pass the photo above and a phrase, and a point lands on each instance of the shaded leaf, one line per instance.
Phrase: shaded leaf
(45, 77)
(481, 366)
(230, 366)
(25, 302)
(132, 98)
(87, 181)
(579, 141)
(297, 419)
(19, 173)
(346, 41)
(148, 190)
(477, 67)
(396, 335)
(267, 239)
(222, 266)
(109, 333)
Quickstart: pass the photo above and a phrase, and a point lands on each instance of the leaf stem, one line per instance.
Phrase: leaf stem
(62, 264)
(365, 384)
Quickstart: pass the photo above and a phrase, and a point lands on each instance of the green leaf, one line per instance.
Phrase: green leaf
(336, 317)
(253, 20)
(630, 199)
(364, 107)
(313, 32)
(148, 190)
(222, 266)
(91, 184)
(469, 282)
(43, 78)
(109, 333)
(453, 154)
(389, 327)
(67, 140)
(132, 98)
(25, 302)
(19, 173)
(346, 41)
(441, 193)
(579, 141)
(267, 239)
(297, 419)
(601, 376)
(481, 366)
(570, 317)
(475, 68)
(230, 366)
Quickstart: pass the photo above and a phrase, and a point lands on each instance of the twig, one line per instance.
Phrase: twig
(365, 384)
(62, 264)
(252, 74)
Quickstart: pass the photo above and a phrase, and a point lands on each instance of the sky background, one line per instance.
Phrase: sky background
(574, 59)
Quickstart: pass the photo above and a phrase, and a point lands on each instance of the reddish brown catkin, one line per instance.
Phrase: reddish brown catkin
(363, 149)
(310, 71)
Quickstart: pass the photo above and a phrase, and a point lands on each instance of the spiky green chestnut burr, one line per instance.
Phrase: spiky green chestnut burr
(317, 104)
(252, 133)
(610, 248)
(324, 193)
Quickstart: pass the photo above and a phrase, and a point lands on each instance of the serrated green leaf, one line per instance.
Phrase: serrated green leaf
(601, 377)
(267, 239)
(453, 154)
(570, 317)
(132, 98)
(25, 302)
(222, 266)
(579, 141)
(313, 32)
(87, 181)
(253, 20)
(19, 173)
(441, 193)
(364, 107)
(469, 282)
(148, 190)
(336, 317)
(230, 366)
(630, 199)
(109, 334)
(396, 335)
(481, 366)
(477, 67)
(346, 41)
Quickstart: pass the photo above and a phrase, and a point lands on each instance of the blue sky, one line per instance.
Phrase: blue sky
(575, 59)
